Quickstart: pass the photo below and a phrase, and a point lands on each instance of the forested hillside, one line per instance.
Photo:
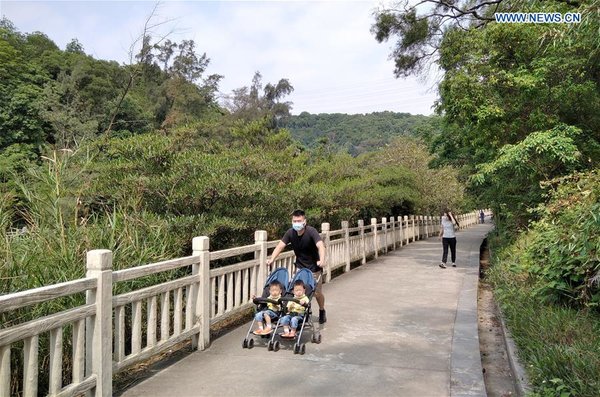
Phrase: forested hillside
(359, 133)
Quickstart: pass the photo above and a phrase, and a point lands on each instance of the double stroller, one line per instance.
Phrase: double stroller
(274, 339)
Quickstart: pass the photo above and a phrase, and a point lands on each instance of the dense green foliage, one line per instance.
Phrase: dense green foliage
(359, 133)
(548, 285)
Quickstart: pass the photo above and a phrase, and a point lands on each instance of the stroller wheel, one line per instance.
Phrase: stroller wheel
(316, 338)
(303, 348)
(250, 343)
(270, 345)
(296, 349)
(245, 344)
(276, 345)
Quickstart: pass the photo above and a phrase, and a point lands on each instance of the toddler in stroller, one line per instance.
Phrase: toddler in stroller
(298, 310)
(271, 312)
(295, 309)
(268, 306)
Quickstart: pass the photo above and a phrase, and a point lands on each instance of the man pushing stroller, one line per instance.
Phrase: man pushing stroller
(309, 249)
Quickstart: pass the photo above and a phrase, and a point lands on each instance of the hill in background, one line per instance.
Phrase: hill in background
(359, 133)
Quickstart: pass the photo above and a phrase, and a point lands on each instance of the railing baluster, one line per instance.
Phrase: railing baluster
(136, 327)
(56, 353)
(213, 296)
(120, 333)
(221, 298)
(78, 351)
(5, 370)
(246, 286)
(30, 370)
(238, 289)
(188, 307)
(151, 326)
(164, 316)
(253, 271)
(178, 310)
(229, 306)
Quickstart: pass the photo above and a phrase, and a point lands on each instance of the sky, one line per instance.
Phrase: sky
(324, 48)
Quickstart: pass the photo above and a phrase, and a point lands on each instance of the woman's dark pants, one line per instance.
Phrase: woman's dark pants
(452, 243)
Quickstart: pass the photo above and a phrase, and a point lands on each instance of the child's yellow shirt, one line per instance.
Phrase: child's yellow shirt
(273, 306)
(298, 308)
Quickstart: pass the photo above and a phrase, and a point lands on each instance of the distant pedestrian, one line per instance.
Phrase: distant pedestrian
(448, 236)
(310, 253)
(482, 216)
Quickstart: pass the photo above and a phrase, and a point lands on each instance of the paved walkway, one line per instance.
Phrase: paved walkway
(397, 326)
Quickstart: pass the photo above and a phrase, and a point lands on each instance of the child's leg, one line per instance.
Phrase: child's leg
(295, 321)
(285, 321)
(267, 322)
(259, 320)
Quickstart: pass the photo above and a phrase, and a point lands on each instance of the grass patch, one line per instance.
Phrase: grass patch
(559, 345)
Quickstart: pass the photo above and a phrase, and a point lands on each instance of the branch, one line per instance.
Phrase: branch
(135, 71)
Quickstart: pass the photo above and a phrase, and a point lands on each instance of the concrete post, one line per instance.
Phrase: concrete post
(405, 229)
(99, 327)
(200, 247)
(375, 239)
(361, 225)
(385, 234)
(347, 253)
(260, 239)
(393, 222)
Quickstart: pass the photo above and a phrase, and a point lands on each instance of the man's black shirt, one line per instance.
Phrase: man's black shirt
(305, 247)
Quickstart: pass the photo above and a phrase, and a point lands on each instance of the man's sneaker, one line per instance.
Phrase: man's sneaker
(453, 264)
(443, 265)
(322, 316)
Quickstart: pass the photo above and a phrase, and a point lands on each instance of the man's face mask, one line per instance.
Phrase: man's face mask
(298, 226)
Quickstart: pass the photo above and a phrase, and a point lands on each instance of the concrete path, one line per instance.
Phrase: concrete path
(397, 326)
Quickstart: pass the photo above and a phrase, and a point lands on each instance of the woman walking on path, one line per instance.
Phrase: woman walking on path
(448, 237)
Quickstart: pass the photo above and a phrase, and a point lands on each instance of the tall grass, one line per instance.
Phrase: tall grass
(559, 345)
(52, 248)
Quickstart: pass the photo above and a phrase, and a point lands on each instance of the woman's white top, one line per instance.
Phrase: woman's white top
(448, 227)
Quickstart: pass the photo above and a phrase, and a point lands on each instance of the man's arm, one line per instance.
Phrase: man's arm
(321, 248)
(280, 247)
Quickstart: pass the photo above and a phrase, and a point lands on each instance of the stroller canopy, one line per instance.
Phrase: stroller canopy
(280, 274)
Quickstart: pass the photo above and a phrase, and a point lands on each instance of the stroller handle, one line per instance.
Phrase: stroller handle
(288, 299)
(259, 300)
